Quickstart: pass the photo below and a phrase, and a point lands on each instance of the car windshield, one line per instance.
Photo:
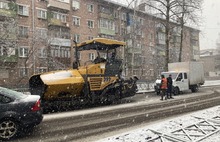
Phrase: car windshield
(166, 74)
(12, 94)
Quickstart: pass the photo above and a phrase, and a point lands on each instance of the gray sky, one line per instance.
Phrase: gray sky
(210, 23)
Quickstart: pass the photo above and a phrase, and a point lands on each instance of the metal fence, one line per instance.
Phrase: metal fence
(144, 86)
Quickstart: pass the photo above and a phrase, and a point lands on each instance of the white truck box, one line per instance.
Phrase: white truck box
(194, 70)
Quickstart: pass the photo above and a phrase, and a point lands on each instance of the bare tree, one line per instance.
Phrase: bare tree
(169, 11)
(7, 38)
(187, 13)
(166, 10)
(8, 44)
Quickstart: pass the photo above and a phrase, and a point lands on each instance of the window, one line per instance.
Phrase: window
(141, 21)
(91, 56)
(90, 7)
(116, 14)
(67, 53)
(90, 37)
(136, 72)
(90, 24)
(77, 38)
(75, 4)
(185, 75)
(60, 52)
(42, 52)
(123, 17)
(180, 77)
(76, 20)
(104, 55)
(41, 69)
(3, 51)
(116, 29)
(23, 72)
(59, 16)
(7, 51)
(23, 51)
(4, 5)
(23, 31)
(42, 14)
(107, 24)
(23, 10)
(42, 33)
(151, 72)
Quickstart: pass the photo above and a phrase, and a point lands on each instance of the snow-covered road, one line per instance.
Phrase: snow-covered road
(202, 126)
(198, 126)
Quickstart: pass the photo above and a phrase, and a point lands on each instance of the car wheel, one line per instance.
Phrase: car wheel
(8, 129)
(176, 91)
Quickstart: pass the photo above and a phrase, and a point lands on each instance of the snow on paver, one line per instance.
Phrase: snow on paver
(202, 126)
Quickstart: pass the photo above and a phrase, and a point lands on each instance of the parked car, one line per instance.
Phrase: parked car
(18, 112)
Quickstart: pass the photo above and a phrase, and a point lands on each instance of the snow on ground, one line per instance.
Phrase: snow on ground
(202, 126)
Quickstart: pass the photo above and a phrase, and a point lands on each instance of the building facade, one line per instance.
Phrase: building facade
(211, 60)
(43, 31)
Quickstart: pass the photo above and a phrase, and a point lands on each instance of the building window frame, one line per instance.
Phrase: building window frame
(42, 52)
(91, 56)
(91, 24)
(42, 32)
(23, 10)
(23, 31)
(4, 5)
(60, 16)
(23, 51)
(75, 4)
(76, 20)
(23, 72)
(76, 38)
(106, 24)
(41, 69)
(42, 13)
(90, 7)
(90, 37)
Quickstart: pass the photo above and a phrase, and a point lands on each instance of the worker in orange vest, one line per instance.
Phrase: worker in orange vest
(163, 86)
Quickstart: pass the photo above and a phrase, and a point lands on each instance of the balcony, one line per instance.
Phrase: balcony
(60, 42)
(107, 16)
(7, 13)
(8, 37)
(57, 4)
(134, 50)
(161, 41)
(57, 22)
(135, 64)
(161, 29)
(107, 31)
(8, 59)
(193, 37)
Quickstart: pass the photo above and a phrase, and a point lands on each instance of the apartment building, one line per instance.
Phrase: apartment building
(44, 30)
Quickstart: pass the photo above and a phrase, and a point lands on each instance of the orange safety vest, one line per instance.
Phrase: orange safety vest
(164, 83)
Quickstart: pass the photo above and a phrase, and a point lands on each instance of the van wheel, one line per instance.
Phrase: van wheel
(176, 91)
(195, 89)
(8, 129)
